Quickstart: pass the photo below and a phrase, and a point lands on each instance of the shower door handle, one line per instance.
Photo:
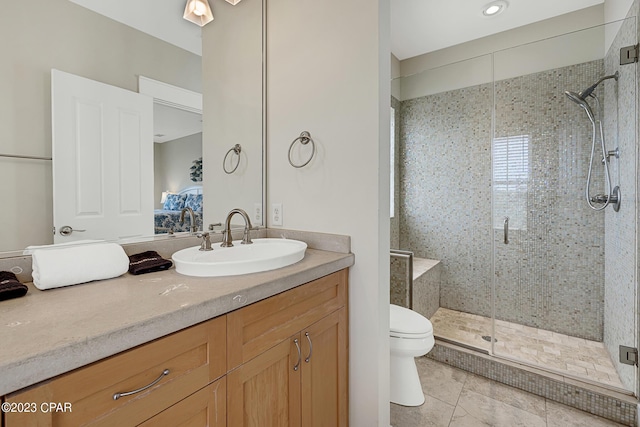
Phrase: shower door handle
(506, 230)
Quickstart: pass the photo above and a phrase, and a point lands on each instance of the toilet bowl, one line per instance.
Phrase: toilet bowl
(411, 336)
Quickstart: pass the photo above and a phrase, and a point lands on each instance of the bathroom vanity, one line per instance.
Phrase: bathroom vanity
(266, 346)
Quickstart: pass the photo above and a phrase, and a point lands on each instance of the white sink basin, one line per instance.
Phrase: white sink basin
(262, 255)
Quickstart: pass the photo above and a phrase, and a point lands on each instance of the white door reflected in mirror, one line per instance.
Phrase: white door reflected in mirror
(102, 159)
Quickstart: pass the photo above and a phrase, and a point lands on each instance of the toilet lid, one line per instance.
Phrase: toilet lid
(405, 321)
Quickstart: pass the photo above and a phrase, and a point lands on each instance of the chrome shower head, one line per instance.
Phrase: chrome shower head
(578, 99)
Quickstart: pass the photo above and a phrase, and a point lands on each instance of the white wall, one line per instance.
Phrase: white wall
(328, 72)
(172, 165)
(395, 73)
(559, 25)
(615, 10)
(232, 110)
(545, 45)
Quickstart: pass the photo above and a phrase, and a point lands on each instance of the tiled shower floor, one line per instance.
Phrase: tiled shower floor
(561, 353)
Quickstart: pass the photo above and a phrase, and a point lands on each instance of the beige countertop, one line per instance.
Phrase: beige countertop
(47, 333)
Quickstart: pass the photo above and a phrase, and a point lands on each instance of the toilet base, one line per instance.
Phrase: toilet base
(406, 389)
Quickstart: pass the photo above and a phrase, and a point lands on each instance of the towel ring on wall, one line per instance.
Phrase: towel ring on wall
(304, 138)
(237, 149)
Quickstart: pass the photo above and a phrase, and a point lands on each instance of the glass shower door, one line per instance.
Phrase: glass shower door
(444, 167)
(564, 273)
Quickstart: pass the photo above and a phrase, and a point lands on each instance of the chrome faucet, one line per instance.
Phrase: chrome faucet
(226, 237)
(194, 226)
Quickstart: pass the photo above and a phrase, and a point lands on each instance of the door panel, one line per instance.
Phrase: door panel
(102, 159)
(324, 372)
(265, 391)
(565, 275)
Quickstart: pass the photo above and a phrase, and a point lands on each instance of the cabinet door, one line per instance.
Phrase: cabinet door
(324, 372)
(259, 326)
(206, 407)
(265, 392)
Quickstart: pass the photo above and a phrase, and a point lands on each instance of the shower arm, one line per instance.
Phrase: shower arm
(588, 91)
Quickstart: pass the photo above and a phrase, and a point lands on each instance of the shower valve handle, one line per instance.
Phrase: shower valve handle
(506, 230)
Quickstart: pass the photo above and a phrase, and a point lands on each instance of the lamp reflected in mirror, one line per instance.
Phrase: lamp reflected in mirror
(163, 198)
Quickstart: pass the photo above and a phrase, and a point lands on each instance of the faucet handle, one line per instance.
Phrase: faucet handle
(246, 237)
(227, 239)
(206, 241)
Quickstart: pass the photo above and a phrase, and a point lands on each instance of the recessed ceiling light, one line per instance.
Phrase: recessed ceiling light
(494, 8)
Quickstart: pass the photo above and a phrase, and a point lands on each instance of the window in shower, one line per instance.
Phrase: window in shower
(510, 178)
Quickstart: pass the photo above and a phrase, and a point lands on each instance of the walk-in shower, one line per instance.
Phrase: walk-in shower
(612, 196)
(558, 294)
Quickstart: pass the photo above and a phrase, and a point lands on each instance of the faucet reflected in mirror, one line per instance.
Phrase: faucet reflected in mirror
(192, 215)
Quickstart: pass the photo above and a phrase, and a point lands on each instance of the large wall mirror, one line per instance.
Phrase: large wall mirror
(62, 35)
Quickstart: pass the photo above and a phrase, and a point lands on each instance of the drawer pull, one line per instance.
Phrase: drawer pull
(306, 334)
(297, 365)
(129, 393)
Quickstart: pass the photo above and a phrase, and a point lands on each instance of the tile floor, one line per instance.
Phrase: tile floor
(455, 398)
(537, 347)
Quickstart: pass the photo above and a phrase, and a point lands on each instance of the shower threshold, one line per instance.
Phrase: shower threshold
(562, 354)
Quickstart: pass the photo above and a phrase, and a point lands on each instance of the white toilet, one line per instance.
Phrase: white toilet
(411, 336)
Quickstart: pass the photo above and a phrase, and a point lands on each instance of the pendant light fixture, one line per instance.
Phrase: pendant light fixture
(198, 12)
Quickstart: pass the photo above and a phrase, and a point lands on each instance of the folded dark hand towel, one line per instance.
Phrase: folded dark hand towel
(10, 286)
(147, 262)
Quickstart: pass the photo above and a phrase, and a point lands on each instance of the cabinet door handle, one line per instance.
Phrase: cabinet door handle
(306, 334)
(129, 393)
(297, 365)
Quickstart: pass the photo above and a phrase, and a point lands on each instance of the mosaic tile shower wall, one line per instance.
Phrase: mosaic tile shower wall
(445, 208)
(398, 283)
(551, 275)
(620, 237)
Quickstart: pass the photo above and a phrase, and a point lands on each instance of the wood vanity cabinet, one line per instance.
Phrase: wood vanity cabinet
(288, 358)
(285, 360)
(206, 407)
(194, 358)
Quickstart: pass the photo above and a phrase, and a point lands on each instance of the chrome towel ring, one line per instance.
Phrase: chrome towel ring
(304, 138)
(237, 149)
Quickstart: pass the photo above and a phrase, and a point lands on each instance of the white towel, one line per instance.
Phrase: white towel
(57, 267)
(29, 249)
